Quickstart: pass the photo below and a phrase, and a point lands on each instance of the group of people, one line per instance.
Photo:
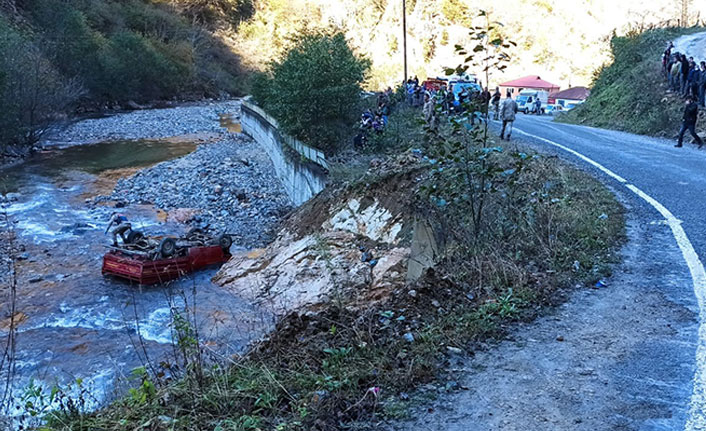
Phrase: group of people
(374, 121)
(446, 97)
(414, 93)
(685, 76)
(687, 79)
(504, 110)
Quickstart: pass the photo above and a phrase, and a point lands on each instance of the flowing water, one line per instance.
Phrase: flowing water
(75, 323)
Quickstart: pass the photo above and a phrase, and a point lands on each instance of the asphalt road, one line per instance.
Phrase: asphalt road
(630, 357)
(674, 178)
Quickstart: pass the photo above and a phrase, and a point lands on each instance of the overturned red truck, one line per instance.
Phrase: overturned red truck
(152, 260)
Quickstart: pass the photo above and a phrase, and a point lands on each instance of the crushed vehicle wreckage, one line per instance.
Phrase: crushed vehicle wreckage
(150, 260)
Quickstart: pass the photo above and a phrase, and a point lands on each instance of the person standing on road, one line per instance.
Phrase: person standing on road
(496, 104)
(429, 111)
(485, 101)
(450, 99)
(691, 114)
(507, 114)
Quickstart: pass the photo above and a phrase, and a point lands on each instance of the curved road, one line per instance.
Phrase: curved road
(629, 357)
(668, 181)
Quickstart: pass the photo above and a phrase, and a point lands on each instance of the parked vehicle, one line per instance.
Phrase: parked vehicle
(526, 101)
(434, 84)
(468, 86)
(554, 109)
(571, 105)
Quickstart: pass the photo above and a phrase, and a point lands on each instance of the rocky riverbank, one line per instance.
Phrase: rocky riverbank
(200, 118)
(229, 184)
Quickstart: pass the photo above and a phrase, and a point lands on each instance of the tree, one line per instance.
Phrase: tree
(32, 93)
(684, 8)
(233, 11)
(314, 91)
(469, 170)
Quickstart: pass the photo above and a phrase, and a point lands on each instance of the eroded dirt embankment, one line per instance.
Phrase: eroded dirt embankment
(348, 241)
(369, 300)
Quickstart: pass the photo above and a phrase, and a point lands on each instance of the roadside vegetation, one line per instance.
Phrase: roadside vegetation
(551, 229)
(631, 93)
(314, 92)
(515, 230)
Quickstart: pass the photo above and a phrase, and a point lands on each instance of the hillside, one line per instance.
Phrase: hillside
(57, 57)
(631, 94)
(109, 53)
(563, 42)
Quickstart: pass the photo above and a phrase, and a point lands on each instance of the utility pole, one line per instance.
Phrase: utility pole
(404, 36)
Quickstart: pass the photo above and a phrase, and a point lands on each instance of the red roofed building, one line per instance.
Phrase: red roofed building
(532, 82)
(572, 96)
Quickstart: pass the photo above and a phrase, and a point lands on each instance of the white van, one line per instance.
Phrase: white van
(526, 100)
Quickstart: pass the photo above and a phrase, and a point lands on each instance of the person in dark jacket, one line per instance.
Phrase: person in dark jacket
(666, 58)
(693, 79)
(702, 85)
(684, 74)
(691, 114)
(496, 104)
(485, 101)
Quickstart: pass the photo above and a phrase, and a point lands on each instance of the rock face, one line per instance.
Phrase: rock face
(373, 221)
(358, 251)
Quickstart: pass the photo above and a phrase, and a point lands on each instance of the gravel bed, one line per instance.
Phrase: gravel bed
(147, 124)
(232, 183)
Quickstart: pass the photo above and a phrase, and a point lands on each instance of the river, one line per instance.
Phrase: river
(75, 323)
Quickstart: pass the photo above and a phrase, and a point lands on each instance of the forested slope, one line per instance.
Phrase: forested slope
(60, 56)
(562, 41)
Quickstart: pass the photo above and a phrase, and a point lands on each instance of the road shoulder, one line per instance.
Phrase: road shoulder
(620, 357)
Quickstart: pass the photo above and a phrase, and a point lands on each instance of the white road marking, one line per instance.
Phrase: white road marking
(697, 409)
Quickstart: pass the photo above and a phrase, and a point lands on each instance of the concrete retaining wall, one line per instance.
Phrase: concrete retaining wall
(303, 175)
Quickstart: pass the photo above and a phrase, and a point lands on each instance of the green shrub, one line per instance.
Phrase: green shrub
(74, 48)
(209, 11)
(314, 92)
(135, 49)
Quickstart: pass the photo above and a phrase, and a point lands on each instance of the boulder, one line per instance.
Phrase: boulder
(297, 275)
(182, 215)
